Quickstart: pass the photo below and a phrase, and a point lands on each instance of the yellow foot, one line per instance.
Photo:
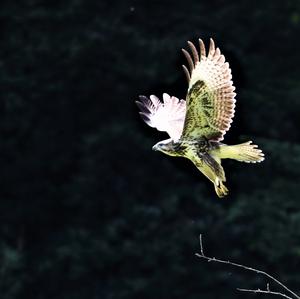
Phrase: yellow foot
(221, 189)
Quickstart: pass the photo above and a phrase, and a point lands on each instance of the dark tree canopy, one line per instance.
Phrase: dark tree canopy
(87, 210)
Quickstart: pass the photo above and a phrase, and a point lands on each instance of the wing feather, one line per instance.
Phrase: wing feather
(211, 97)
(187, 73)
(189, 59)
(165, 116)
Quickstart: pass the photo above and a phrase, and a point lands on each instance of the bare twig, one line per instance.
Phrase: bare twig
(267, 291)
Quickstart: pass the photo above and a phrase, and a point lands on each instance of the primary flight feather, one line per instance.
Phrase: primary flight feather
(198, 124)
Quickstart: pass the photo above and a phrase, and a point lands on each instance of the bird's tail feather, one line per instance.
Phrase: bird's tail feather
(244, 152)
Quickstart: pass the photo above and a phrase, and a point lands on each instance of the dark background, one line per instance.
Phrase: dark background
(87, 210)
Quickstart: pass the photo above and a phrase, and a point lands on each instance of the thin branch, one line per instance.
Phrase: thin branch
(213, 259)
(268, 291)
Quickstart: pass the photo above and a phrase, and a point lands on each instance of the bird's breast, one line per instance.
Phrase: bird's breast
(188, 149)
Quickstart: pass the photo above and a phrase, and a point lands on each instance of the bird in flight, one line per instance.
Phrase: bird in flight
(197, 125)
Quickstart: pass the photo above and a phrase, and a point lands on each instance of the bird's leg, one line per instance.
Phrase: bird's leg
(213, 171)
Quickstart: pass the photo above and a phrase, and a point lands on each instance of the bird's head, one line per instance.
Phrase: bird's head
(168, 147)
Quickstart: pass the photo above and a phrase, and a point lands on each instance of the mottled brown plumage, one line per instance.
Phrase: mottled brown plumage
(196, 126)
(210, 98)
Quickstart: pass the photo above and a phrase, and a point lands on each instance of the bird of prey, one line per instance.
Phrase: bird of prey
(197, 125)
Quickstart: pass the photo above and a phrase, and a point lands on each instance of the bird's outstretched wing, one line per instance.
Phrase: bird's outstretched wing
(165, 116)
(210, 99)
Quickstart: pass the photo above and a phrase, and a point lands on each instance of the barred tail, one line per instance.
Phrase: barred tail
(244, 152)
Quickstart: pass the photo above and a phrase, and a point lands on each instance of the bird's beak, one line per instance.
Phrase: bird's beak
(155, 147)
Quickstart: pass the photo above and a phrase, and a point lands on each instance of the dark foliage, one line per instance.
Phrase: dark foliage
(87, 210)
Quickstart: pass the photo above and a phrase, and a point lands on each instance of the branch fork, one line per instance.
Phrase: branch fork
(291, 294)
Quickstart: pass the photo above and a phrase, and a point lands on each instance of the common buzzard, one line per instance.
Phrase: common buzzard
(198, 124)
